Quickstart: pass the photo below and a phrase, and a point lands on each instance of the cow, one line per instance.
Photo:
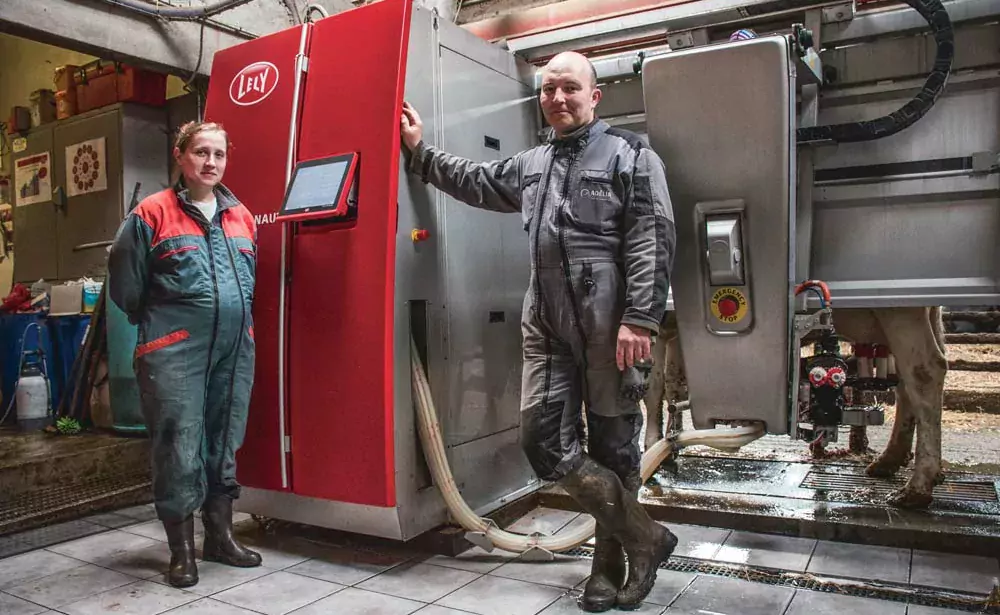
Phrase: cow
(915, 336)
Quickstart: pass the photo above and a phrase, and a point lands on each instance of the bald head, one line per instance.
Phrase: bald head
(571, 61)
(569, 92)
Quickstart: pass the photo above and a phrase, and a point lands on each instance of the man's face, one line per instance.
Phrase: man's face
(568, 97)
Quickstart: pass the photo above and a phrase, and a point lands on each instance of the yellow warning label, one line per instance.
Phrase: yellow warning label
(729, 305)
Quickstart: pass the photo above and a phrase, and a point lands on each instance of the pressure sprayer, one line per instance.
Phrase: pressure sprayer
(485, 533)
(32, 393)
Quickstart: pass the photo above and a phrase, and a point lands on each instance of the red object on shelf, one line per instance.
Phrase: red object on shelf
(128, 84)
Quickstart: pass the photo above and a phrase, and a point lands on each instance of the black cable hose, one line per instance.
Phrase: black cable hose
(868, 130)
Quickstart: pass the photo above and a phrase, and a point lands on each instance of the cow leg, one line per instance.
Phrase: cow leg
(899, 450)
(922, 366)
(653, 400)
(674, 380)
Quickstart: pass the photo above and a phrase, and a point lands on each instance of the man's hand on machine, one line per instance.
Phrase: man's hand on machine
(634, 358)
(411, 129)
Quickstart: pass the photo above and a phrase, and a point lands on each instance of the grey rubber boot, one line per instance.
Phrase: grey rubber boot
(180, 538)
(220, 546)
(600, 493)
(607, 571)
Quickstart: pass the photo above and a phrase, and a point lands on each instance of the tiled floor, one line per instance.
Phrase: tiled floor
(115, 563)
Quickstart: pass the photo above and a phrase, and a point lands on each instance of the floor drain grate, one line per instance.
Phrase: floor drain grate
(51, 501)
(892, 592)
(954, 490)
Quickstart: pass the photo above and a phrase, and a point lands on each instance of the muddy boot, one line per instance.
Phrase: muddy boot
(607, 573)
(599, 492)
(644, 562)
(220, 546)
(180, 538)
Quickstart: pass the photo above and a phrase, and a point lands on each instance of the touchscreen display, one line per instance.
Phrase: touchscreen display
(316, 186)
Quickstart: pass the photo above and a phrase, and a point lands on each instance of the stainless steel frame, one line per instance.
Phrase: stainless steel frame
(733, 156)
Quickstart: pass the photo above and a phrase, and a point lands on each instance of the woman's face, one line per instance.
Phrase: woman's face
(203, 163)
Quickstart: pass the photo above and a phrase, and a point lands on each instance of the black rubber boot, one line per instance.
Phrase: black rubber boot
(607, 571)
(180, 538)
(220, 546)
(599, 492)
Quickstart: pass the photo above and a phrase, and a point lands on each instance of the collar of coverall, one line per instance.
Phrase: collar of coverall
(579, 137)
(223, 195)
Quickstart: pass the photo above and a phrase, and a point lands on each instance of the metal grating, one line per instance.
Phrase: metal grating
(880, 590)
(51, 501)
(954, 490)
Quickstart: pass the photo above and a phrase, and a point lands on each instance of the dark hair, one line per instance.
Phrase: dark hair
(593, 73)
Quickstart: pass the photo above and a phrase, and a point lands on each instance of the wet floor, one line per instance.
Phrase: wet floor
(119, 568)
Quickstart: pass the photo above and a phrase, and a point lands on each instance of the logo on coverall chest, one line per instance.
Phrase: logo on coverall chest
(253, 83)
(604, 194)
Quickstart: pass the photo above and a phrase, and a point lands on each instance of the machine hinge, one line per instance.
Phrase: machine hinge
(288, 444)
(304, 67)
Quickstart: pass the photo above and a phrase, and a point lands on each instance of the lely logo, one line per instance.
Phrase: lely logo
(253, 84)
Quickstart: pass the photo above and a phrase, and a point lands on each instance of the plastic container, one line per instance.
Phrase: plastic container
(13, 329)
(43, 107)
(91, 292)
(32, 395)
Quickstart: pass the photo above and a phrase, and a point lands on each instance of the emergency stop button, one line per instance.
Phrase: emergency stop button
(728, 306)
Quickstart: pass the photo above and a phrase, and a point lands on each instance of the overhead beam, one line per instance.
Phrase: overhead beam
(106, 31)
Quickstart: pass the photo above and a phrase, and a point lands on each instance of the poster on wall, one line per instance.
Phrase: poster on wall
(86, 168)
(33, 179)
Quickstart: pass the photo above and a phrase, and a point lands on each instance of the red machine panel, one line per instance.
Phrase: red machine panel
(341, 299)
(252, 93)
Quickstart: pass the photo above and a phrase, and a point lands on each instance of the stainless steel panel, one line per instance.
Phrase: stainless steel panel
(90, 219)
(907, 239)
(958, 125)
(485, 255)
(472, 264)
(903, 19)
(903, 57)
(491, 468)
(719, 148)
(370, 520)
(35, 253)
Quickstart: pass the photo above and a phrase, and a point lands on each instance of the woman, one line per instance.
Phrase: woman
(182, 268)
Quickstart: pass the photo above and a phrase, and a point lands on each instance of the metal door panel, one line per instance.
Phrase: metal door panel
(487, 254)
(720, 151)
(34, 224)
(88, 222)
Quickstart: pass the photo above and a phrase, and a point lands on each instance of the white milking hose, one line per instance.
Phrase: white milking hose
(433, 445)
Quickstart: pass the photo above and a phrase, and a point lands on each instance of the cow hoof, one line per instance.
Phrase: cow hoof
(908, 498)
(883, 468)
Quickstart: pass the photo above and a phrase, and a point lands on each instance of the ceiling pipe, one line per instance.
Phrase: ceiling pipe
(561, 15)
(172, 12)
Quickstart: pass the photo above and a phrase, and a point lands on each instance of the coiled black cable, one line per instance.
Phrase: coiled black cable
(868, 130)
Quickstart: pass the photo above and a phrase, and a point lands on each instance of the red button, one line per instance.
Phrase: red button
(728, 307)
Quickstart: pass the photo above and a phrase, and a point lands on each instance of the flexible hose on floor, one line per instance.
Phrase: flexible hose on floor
(433, 445)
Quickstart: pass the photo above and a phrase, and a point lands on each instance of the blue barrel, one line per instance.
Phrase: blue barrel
(126, 411)
(66, 334)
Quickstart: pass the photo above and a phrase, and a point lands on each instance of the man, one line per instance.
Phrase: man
(600, 225)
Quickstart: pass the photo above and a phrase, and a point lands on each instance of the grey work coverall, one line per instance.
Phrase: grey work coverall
(601, 233)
